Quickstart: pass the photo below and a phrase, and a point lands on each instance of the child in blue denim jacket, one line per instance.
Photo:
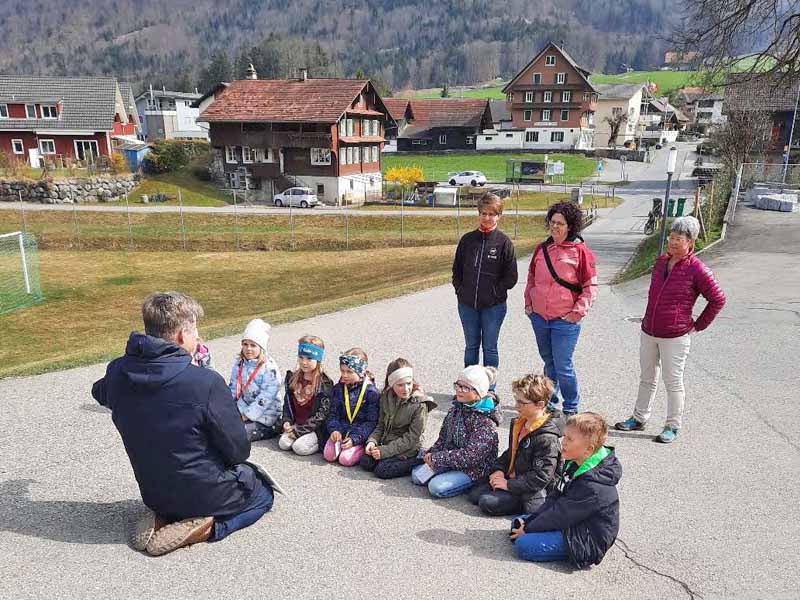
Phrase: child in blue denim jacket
(255, 383)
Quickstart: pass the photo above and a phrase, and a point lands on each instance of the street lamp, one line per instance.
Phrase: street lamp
(671, 163)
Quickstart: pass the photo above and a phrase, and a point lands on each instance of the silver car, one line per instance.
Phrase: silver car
(296, 196)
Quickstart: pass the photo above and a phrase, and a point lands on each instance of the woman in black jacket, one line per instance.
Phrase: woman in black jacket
(484, 269)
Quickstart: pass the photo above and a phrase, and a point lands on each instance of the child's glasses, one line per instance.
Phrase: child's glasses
(460, 387)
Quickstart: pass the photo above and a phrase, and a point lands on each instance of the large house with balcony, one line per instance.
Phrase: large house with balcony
(62, 120)
(552, 105)
(324, 134)
(168, 115)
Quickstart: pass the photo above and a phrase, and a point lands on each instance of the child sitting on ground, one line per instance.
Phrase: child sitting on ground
(522, 475)
(306, 400)
(354, 410)
(391, 450)
(579, 521)
(467, 444)
(255, 383)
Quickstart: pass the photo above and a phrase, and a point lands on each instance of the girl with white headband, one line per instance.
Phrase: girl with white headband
(391, 450)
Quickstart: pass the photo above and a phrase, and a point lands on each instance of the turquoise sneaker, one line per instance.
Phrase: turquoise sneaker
(668, 435)
(629, 424)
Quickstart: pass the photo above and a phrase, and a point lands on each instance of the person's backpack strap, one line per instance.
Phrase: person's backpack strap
(574, 287)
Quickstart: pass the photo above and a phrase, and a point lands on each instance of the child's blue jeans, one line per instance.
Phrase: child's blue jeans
(444, 485)
(542, 546)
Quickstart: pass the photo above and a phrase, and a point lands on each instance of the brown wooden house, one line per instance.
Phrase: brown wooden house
(324, 134)
(552, 102)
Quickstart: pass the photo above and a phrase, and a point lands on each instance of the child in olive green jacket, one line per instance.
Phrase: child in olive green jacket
(392, 448)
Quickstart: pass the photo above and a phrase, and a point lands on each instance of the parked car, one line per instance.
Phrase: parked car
(296, 196)
(473, 178)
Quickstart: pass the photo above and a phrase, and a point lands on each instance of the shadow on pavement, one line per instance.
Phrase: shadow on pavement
(73, 522)
(631, 434)
(96, 408)
(484, 543)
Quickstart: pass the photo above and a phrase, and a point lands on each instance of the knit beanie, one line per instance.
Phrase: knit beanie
(479, 378)
(257, 331)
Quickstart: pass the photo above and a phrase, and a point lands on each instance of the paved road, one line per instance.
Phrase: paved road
(713, 516)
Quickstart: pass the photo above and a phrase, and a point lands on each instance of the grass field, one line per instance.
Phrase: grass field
(65, 230)
(525, 201)
(437, 166)
(93, 298)
(194, 191)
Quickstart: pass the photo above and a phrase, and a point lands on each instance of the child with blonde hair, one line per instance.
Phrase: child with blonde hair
(255, 384)
(467, 444)
(392, 448)
(521, 476)
(354, 410)
(579, 521)
(306, 400)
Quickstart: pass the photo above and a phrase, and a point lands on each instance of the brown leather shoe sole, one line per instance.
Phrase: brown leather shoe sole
(180, 534)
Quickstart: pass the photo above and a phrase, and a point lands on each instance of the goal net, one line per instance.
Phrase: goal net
(19, 271)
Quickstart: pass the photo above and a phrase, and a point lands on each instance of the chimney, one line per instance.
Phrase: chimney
(303, 74)
(251, 72)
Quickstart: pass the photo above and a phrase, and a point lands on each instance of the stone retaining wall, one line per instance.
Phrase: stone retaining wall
(102, 188)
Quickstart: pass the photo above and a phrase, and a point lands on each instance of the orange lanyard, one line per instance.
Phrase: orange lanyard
(239, 389)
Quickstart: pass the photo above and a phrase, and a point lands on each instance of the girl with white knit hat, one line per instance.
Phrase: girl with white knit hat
(467, 444)
(255, 383)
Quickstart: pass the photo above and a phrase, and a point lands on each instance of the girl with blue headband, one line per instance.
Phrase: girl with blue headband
(354, 410)
(307, 400)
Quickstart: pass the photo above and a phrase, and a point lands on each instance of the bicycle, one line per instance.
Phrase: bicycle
(653, 219)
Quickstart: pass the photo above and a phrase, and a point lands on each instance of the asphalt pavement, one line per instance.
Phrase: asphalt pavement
(714, 515)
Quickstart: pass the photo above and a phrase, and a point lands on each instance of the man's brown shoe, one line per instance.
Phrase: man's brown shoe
(180, 534)
(144, 529)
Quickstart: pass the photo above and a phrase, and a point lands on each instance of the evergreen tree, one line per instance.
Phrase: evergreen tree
(218, 70)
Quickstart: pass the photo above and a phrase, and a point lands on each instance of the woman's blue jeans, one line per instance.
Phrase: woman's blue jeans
(556, 340)
(543, 546)
(444, 485)
(481, 328)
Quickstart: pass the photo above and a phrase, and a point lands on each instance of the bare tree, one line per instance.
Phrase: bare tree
(745, 135)
(720, 32)
(615, 123)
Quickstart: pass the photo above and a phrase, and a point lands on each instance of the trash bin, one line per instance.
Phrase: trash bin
(679, 207)
(577, 196)
(670, 207)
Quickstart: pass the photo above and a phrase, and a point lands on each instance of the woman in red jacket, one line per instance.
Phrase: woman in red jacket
(562, 284)
(678, 278)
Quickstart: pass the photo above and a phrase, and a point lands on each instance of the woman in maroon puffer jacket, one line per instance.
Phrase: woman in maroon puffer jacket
(678, 278)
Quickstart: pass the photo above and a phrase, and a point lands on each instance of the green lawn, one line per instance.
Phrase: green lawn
(437, 166)
(667, 81)
(490, 92)
(194, 191)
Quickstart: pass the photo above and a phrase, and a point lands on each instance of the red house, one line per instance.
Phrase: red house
(61, 119)
(323, 134)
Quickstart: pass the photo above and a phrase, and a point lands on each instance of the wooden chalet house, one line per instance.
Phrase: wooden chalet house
(324, 134)
(552, 104)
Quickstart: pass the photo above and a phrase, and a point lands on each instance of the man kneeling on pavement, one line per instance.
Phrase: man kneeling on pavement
(183, 435)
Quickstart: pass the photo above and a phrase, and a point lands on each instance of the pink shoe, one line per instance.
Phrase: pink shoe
(330, 452)
(351, 456)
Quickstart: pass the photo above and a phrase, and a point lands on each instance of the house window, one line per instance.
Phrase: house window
(442, 140)
(375, 153)
(616, 111)
(546, 114)
(350, 155)
(49, 111)
(350, 125)
(320, 156)
(342, 156)
(527, 115)
(230, 154)
(565, 115)
(509, 97)
(30, 111)
(233, 180)
(247, 154)
(509, 135)
(566, 96)
(3, 111)
(357, 154)
(17, 147)
(556, 136)
(47, 146)
(86, 150)
(561, 78)
(550, 60)
(320, 189)
(537, 78)
(262, 155)
(470, 140)
(418, 142)
(548, 97)
(342, 127)
(531, 136)
(585, 96)
(528, 96)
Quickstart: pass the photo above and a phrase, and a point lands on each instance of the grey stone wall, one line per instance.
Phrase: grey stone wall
(102, 188)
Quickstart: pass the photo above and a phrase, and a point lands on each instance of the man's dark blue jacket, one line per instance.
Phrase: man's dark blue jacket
(181, 430)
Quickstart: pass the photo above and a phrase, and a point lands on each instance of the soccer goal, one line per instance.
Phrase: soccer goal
(19, 271)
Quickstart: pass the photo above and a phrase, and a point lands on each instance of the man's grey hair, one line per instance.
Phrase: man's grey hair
(689, 227)
(166, 313)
